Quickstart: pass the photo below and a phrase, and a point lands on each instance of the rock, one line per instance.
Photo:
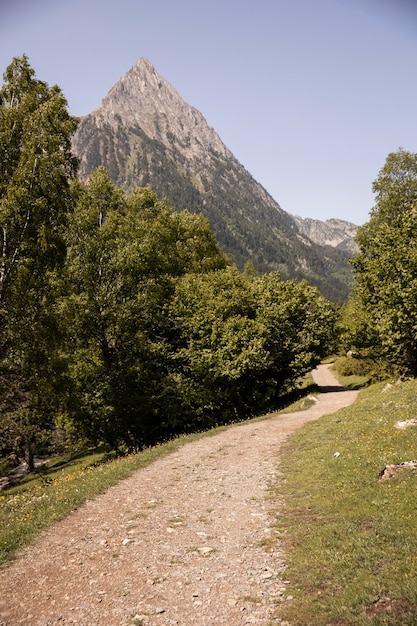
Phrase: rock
(406, 423)
(390, 471)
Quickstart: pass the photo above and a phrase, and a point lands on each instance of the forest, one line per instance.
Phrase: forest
(123, 322)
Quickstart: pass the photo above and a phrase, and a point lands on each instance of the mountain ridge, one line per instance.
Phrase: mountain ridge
(331, 232)
(145, 134)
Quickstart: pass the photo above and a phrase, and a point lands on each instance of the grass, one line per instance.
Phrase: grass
(351, 539)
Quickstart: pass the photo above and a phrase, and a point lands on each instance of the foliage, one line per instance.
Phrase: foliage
(299, 327)
(350, 538)
(124, 255)
(244, 342)
(35, 167)
(386, 267)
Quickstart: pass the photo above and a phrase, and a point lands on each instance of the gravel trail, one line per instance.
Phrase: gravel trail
(179, 542)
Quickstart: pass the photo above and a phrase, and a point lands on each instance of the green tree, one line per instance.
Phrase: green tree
(299, 328)
(245, 341)
(221, 348)
(386, 266)
(124, 257)
(36, 165)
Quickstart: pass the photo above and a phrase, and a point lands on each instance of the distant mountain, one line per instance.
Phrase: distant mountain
(145, 134)
(333, 232)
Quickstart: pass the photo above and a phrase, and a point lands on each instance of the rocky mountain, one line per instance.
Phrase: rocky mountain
(336, 233)
(144, 134)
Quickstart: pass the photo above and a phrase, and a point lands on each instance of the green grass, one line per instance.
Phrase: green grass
(351, 540)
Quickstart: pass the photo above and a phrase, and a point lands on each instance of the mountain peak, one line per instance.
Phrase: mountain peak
(144, 63)
(142, 98)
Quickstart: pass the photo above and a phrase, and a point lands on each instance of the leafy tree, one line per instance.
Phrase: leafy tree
(299, 327)
(220, 349)
(386, 266)
(36, 165)
(243, 342)
(125, 254)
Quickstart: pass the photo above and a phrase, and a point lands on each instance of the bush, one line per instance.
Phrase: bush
(373, 370)
(353, 366)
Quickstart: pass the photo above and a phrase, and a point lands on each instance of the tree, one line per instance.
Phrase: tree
(386, 266)
(299, 327)
(36, 165)
(220, 350)
(125, 254)
(244, 341)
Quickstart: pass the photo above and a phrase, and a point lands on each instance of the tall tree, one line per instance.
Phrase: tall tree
(386, 266)
(125, 255)
(36, 165)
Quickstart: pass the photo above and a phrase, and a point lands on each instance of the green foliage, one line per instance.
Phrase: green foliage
(245, 342)
(35, 164)
(220, 345)
(299, 326)
(386, 267)
(124, 256)
(35, 167)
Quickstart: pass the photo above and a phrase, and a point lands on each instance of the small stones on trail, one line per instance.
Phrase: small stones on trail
(205, 550)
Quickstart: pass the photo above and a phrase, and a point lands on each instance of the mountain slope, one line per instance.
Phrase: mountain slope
(334, 232)
(145, 134)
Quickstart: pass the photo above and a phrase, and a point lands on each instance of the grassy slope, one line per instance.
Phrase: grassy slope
(351, 539)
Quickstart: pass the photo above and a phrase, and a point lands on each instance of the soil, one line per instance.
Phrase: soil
(182, 541)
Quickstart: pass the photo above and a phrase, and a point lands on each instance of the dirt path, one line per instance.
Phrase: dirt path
(179, 542)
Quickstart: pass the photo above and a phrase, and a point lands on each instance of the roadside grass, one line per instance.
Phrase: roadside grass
(66, 482)
(349, 538)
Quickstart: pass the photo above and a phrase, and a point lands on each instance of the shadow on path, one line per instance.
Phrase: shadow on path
(332, 388)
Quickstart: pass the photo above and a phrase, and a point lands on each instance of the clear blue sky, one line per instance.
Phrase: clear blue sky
(309, 95)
